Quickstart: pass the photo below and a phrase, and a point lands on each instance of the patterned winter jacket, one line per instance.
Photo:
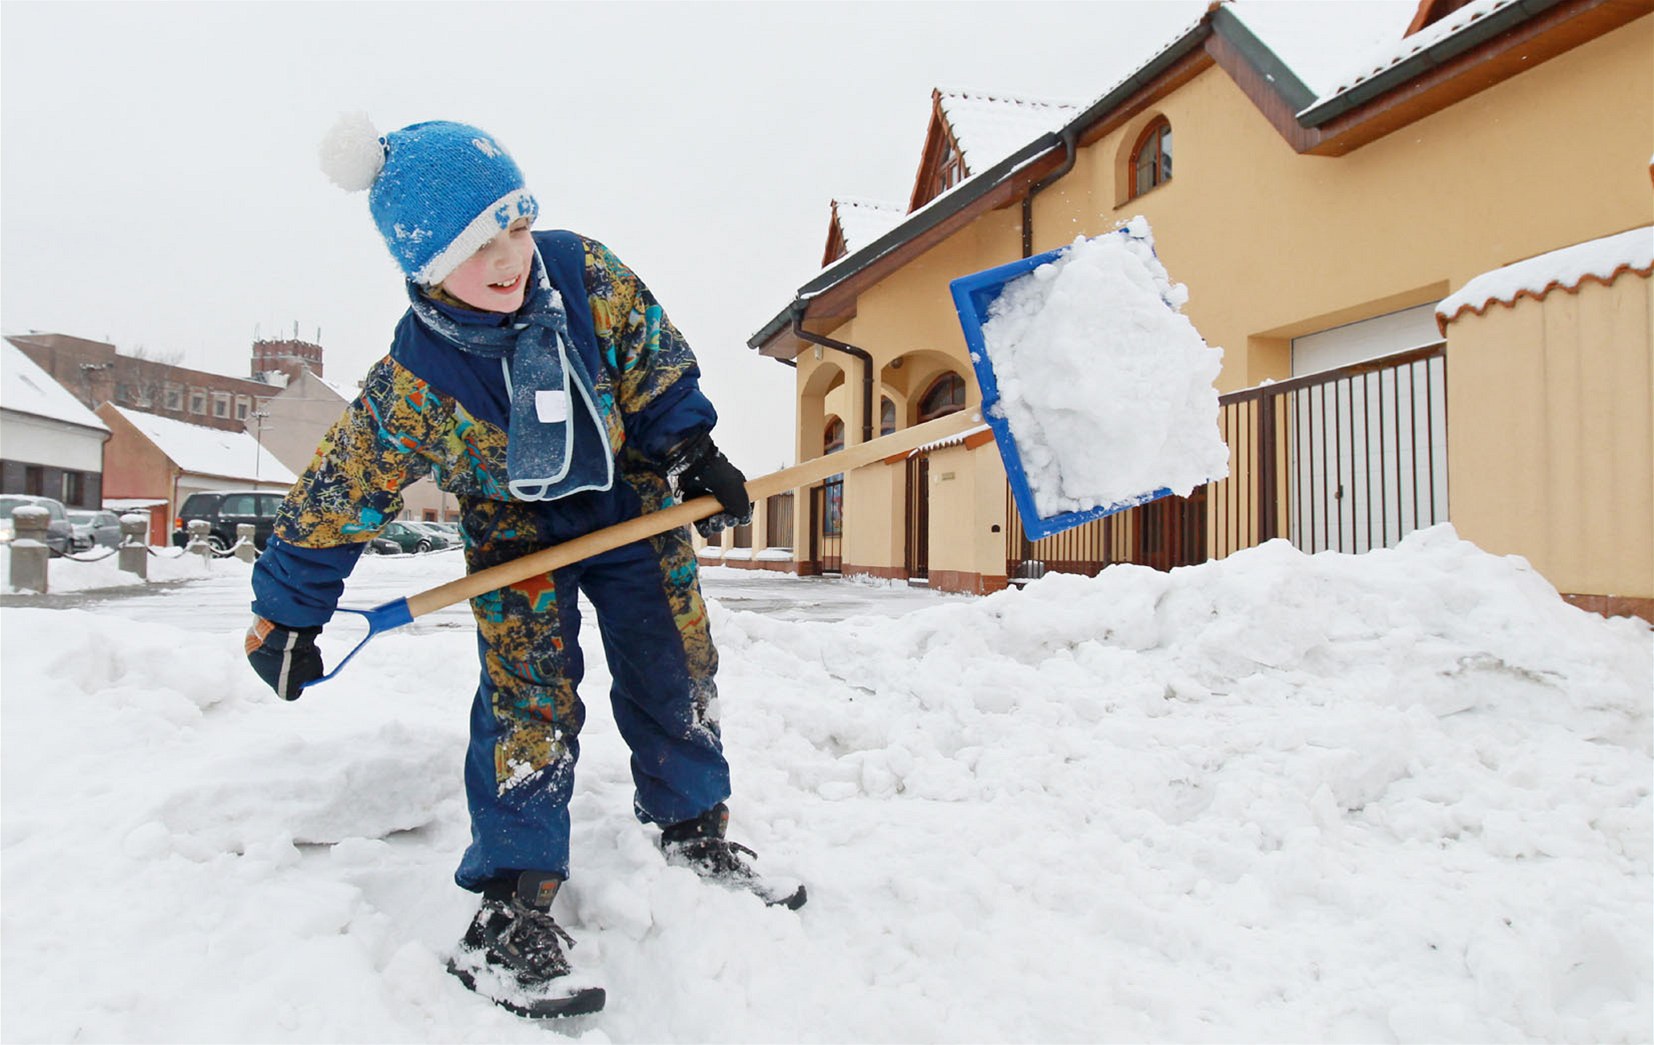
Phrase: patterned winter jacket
(430, 409)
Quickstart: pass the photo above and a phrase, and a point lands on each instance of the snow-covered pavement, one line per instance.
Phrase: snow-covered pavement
(1397, 797)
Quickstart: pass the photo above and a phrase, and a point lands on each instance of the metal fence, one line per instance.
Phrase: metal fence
(1345, 460)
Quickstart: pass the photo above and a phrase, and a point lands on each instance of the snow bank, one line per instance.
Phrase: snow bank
(1106, 386)
(1400, 796)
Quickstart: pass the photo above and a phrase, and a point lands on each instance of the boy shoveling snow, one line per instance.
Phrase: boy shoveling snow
(536, 378)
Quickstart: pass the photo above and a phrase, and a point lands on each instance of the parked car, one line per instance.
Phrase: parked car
(60, 533)
(383, 546)
(224, 510)
(94, 528)
(450, 528)
(412, 536)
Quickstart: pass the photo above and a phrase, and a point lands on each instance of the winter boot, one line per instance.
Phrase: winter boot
(513, 953)
(699, 845)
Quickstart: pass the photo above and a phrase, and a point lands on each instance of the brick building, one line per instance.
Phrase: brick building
(95, 373)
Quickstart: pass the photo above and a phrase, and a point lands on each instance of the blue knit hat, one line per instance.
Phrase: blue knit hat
(438, 190)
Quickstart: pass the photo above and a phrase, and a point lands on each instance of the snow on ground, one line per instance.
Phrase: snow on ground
(1396, 797)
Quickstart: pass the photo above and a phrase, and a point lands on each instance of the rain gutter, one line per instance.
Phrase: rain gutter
(1071, 146)
(849, 349)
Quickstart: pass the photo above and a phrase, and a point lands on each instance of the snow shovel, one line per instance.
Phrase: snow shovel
(396, 613)
(973, 296)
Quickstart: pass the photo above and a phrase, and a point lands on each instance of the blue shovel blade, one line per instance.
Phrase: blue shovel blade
(380, 619)
(973, 295)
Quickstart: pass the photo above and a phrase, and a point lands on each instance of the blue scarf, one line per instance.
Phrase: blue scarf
(557, 443)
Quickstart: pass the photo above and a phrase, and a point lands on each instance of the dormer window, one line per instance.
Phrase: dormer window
(948, 169)
(1151, 160)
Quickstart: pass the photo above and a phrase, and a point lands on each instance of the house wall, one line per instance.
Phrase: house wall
(1558, 465)
(1275, 245)
(42, 440)
(134, 468)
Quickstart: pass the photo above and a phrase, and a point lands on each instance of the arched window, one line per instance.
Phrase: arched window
(1151, 160)
(946, 395)
(832, 440)
(887, 415)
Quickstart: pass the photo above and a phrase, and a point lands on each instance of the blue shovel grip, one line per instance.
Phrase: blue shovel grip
(380, 619)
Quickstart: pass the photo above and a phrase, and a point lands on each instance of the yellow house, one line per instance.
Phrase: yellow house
(1319, 215)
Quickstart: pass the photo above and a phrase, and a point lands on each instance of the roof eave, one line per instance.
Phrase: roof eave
(1410, 68)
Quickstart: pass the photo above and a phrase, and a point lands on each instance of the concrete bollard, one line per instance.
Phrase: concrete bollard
(245, 549)
(28, 548)
(199, 530)
(134, 550)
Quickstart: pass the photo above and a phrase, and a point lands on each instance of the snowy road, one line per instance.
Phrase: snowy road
(1403, 796)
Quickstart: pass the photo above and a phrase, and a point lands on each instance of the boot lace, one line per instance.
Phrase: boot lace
(531, 941)
(715, 857)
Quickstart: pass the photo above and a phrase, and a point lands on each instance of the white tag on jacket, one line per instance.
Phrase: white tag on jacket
(551, 405)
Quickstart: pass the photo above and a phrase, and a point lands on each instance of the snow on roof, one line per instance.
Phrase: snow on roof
(1327, 44)
(1398, 49)
(26, 388)
(209, 451)
(1602, 260)
(989, 127)
(346, 392)
(863, 221)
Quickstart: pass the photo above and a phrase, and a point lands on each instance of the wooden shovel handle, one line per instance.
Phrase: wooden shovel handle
(806, 474)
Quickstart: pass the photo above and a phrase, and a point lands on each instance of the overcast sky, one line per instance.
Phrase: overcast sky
(160, 186)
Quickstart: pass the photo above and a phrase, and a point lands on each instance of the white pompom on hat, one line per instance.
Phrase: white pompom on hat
(438, 191)
(352, 153)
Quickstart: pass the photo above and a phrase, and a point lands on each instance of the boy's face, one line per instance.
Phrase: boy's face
(495, 278)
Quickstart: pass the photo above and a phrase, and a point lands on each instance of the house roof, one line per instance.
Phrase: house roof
(989, 127)
(1599, 260)
(208, 451)
(26, 388)
(1283, 66)
(861, 222)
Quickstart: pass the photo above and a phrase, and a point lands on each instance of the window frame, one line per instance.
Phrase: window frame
(832, 436)
(926, 412)
(1157, 134)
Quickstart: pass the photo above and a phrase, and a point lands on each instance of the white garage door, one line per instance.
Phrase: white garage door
(1369, 450)
(1368, 339)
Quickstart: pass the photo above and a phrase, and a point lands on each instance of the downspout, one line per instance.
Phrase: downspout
(1070, 144)
(861, 354)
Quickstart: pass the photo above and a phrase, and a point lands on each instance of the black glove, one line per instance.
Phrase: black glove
(285, 658)
(699, 470)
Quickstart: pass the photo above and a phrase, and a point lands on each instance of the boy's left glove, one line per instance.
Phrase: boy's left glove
(285, 658)
(700, 469)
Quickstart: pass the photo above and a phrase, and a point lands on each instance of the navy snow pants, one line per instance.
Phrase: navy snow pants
(527, 713)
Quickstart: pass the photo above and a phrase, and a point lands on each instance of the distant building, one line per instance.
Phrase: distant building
(51, 445)
(154, 458)
(96, 373)
(289, 357)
